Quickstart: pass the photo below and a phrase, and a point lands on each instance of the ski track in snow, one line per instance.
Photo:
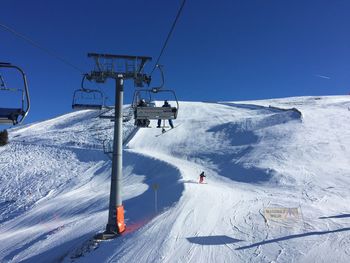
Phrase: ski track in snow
(55, 186)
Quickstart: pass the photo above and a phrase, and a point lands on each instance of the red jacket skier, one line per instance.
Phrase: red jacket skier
(201, 177)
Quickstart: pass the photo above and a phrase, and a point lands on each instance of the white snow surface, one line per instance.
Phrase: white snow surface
(55, 179)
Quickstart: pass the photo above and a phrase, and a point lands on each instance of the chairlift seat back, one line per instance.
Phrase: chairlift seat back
(86, 107)
(10, 115)
(155, 113)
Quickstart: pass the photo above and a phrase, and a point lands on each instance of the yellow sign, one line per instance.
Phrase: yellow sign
(281, 213)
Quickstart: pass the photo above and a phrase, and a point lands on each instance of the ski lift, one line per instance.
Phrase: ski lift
(145, 108)
(14, 115)
(87, 99)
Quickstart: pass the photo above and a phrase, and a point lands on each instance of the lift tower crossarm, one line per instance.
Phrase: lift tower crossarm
(111, 66)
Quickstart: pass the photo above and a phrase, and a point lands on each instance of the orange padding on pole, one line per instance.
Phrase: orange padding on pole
(120, 219)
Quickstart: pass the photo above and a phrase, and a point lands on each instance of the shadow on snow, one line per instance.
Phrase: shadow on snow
(167, 178)
(139, 210)
(315, 233)
(337, 216)
(213, 240)
(241, 138)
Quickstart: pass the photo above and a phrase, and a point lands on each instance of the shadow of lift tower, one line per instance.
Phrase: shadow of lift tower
(119, 68)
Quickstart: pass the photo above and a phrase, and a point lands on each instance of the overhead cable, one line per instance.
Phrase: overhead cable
(169, 34)
(35, 44)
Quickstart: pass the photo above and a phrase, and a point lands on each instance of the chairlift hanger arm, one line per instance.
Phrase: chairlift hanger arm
(160, 67)
(86, 76)
(162, 75)
(82, 81)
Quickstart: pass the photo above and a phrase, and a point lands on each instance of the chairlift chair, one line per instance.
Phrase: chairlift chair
(150, 111)
(15, 115)
(87, 99)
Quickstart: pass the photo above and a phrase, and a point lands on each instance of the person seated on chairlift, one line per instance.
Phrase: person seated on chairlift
(144, 122)
(166, 104)
(142, 103)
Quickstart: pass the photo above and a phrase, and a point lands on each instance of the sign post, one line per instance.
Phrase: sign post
(155, 188)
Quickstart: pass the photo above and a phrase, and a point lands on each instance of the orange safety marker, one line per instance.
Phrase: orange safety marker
(120, 219)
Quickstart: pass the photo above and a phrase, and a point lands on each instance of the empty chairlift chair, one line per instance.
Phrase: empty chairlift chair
(14, 115)
(87, 99)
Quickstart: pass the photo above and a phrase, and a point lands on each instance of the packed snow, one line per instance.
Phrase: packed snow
(287, 154)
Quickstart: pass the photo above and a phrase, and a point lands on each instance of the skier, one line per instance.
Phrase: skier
(166, 104)
(201, 177)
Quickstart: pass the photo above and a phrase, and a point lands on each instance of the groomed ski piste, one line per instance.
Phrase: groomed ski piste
(55, 180)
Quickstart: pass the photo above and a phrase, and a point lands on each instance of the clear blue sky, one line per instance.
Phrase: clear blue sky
(220, 50)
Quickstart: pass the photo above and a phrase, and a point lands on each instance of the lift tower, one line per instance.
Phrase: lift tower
(119, 68)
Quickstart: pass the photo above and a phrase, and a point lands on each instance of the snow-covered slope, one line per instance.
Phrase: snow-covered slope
(54, 181)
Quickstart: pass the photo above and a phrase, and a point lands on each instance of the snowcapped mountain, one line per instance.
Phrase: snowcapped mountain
(263, 159)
